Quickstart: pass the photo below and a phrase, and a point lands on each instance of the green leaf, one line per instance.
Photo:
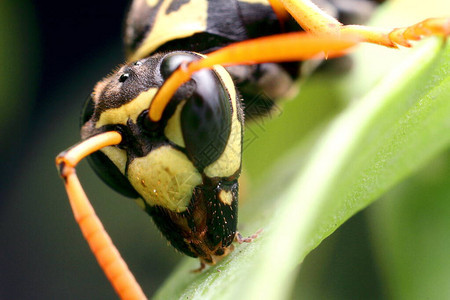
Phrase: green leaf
(376, 142)
(412, 242)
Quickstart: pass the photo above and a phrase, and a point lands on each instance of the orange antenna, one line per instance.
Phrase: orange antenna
(277, 48)
(93, 231)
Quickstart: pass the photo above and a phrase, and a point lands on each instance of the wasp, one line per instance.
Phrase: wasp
(166, 128)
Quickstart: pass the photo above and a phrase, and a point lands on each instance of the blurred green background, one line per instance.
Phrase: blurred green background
(53, 54)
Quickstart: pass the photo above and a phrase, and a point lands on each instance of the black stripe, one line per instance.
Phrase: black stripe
(176, 5)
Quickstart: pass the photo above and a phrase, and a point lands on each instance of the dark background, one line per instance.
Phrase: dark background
(51, 55)
(50, 42)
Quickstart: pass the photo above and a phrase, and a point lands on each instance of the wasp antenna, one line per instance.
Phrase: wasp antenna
(167, 90)
(99, 241)
(278, 48)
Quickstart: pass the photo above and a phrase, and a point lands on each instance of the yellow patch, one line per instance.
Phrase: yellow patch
(227, 81)
(189, 19)
(173, 128)
(151, 3)
(130, 110)
(164, 177)
(226, 197)
(117, 156)
(230, 160)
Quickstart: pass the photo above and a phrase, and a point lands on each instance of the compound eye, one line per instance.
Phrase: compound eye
(88, 110)
(124, 77)
(173, 60)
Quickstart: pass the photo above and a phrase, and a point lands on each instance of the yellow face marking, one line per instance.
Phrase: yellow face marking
(130, 110)
(151, 3)
(164, 177)
(189, 19)
(117, 156)
(226, 197)
(230, 160)
(173, 128)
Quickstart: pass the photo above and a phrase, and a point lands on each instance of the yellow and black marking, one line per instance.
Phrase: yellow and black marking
(184, 167)
(202, 26)
(194, 25)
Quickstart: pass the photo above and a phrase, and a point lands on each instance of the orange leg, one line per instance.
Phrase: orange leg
(279, 10)
(314, 20)
(99, 241)
(240, 239)
(327, 37)
(310, 17)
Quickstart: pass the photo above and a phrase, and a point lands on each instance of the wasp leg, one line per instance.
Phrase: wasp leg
(200, 268)
(99, 241)
(314, 20)
(400, 36)
(279, 10)
(309, 16)
(240, 239)
(432, 26)
(327, 38)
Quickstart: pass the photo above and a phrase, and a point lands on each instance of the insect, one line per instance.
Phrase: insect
(167, 128)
